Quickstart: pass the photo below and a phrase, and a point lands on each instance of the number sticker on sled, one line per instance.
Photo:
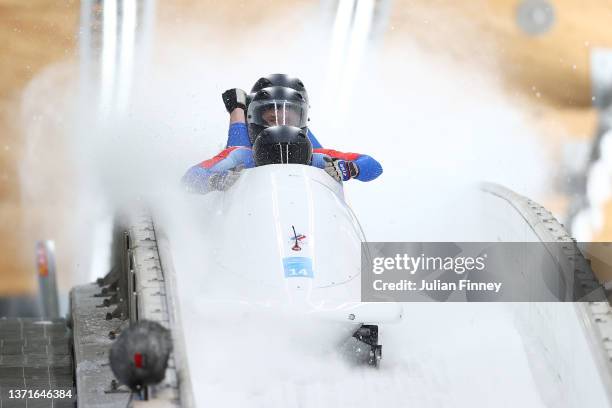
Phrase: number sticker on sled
(298, 267)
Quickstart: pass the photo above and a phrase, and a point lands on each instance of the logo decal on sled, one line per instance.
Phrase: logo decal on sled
(298, 267)
(297, 239)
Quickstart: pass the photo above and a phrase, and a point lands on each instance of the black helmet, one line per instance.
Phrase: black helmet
(276, 106)
(282, 144)
(280, 80)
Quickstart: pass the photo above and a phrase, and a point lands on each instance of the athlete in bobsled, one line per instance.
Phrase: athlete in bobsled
(277, 120)
(305, 260)
(237, 101)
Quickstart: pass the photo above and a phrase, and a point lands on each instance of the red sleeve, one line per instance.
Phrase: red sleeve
(207, 164)
(338, 155)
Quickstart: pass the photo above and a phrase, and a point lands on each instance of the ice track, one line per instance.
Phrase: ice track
(441, 355)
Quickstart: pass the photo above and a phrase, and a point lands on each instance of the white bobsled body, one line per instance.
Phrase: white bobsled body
(292, 242)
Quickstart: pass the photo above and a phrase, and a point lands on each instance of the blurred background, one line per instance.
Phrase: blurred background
(521, 89)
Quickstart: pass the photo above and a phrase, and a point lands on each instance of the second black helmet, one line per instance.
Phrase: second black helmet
(276, 106)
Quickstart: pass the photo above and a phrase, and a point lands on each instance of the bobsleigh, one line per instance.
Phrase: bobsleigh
(286, 233)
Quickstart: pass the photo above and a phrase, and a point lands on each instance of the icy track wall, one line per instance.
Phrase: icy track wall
(564, 342)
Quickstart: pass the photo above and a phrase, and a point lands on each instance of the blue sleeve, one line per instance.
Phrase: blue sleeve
(242, 157)
(229, 159)
(314, 141)
(196, 178)
(369, 169)
(238, 135)
(317, 160)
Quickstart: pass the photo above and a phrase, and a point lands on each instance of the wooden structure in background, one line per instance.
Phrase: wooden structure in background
(549, 74)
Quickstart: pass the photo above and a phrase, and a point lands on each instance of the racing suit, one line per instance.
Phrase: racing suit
(215, 173)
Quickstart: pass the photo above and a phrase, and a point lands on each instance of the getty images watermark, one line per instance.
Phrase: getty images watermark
(424, 264)
(476, 272)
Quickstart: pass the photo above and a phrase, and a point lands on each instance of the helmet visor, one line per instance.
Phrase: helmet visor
(278, 113)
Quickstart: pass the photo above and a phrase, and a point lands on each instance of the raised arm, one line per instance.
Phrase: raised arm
(235, 104)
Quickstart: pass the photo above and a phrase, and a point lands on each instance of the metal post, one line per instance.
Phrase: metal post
(45, 262)
(601, 77)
